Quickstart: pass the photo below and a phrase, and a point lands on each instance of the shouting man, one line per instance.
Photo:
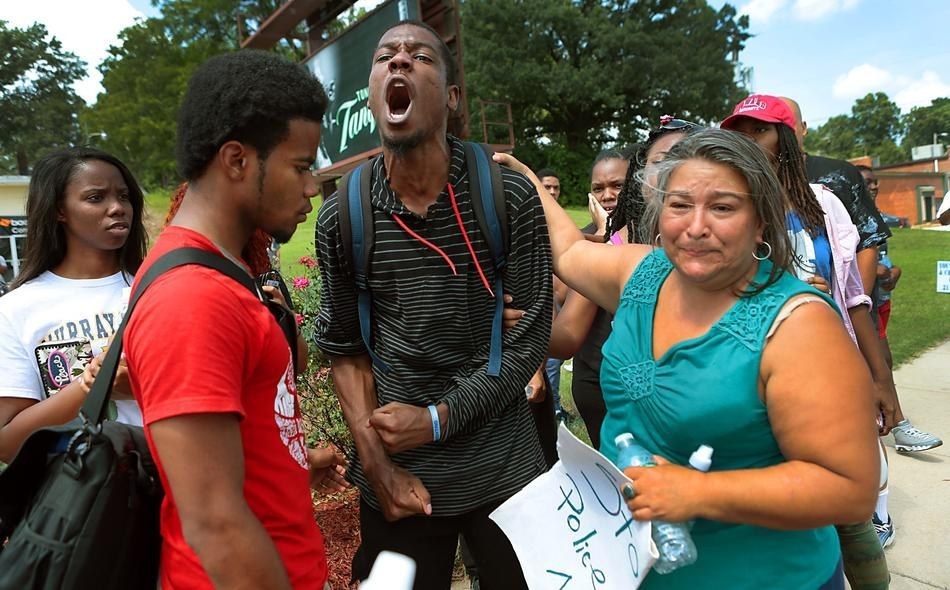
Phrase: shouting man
(439, 442)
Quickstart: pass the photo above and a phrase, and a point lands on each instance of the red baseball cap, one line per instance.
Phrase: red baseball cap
(763, 107)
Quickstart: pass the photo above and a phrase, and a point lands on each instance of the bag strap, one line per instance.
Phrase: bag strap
(93, 410)
(357, 233)
(488, 204)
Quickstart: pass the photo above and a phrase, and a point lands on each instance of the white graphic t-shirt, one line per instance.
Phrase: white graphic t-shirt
(51, 308)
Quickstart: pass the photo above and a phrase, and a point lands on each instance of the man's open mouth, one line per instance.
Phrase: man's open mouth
(398, 101)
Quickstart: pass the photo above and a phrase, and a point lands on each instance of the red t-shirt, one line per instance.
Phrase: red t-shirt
(199, 342)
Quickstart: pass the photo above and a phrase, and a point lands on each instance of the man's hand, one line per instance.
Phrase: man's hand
(399, 492)
(885, 399)
(327, 470)
(538, 390)
(889, 281)
(401, 426)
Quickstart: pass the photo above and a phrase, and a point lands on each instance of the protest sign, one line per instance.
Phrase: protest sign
(571, 528)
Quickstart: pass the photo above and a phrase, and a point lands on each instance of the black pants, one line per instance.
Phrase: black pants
(431, 542)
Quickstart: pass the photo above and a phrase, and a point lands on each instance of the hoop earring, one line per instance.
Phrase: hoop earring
(656, 241)
(767, 245)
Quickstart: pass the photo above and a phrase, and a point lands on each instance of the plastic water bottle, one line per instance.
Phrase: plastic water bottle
(700, 460)
(672, 540)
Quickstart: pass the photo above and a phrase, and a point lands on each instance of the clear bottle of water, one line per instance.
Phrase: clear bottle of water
(700, 460)
(672, 540)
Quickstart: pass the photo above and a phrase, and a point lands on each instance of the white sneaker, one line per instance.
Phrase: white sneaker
(909, 439)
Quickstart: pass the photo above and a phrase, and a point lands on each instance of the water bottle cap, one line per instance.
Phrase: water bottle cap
(701, 459)
(392, 571)
(625, 437)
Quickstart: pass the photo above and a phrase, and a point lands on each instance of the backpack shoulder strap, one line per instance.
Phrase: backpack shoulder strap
(491, 213)
(358, 234)
(93, 410)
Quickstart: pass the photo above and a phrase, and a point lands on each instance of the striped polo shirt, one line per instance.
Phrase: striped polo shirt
(433, 328)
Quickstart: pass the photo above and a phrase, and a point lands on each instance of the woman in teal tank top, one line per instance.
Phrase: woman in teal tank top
(691, 360)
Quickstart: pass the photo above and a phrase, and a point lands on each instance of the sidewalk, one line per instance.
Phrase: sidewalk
(919, 558)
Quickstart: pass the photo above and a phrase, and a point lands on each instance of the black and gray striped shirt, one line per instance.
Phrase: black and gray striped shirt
(433, 328)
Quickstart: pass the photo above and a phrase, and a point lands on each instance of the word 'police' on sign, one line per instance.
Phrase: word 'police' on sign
(571, 528)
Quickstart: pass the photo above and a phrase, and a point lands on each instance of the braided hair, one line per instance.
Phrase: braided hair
(630, 203)
(255, 251)
(792, 176)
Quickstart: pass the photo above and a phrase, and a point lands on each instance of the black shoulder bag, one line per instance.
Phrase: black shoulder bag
(79, 505)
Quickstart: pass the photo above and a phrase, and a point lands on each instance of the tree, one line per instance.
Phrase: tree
(147, 71)
(38, 106)
(580, 74)
(871, 129)
(923, 122)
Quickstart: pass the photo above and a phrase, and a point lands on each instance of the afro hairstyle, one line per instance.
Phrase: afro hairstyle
(248, 96)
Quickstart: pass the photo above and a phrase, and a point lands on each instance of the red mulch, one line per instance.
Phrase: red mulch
(339, 519)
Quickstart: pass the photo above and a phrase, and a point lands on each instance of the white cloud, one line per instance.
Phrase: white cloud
(922, 91)
(860, 80)
(810, 10)
(82, 30)
(760, 11)
(905, 91)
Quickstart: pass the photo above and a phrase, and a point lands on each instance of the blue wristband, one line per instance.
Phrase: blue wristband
(436, 427)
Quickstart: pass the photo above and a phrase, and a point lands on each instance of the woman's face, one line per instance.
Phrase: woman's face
(606, 181)
(95, 211)
(762, 133)
(655, 155)
(708, 224)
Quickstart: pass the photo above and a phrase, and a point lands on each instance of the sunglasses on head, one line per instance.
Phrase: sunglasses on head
(668, 123)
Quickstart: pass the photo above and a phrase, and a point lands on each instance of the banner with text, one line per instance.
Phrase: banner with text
(571, 528)
(343, 67)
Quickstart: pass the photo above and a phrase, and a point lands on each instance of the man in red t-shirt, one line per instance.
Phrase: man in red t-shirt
(208, 363)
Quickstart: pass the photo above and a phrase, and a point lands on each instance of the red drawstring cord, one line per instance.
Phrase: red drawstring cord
(427, 243)
(405, 227)
(458, 217)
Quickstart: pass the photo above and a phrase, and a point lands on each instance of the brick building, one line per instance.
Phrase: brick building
(912, 189)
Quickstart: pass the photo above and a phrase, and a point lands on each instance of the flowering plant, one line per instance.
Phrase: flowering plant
(318, 402)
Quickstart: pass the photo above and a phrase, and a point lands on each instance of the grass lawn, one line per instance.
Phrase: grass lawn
(920, 317)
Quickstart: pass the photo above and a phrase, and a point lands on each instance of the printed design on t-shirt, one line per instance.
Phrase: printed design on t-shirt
(94, 331)
(287, 416)
(803, 249)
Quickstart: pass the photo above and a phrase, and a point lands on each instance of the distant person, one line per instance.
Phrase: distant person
(551, 182)
(439, 442)
(209, 364)
(907, 438)
(552, 366)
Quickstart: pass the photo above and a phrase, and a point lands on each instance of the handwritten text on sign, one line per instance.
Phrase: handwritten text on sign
(571, 528)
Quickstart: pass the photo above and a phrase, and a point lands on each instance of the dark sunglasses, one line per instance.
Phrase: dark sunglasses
(669, 123)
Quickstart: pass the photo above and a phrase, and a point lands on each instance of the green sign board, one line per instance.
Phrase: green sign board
(343, 66)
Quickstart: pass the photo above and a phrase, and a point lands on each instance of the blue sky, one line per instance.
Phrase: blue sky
(824, 53)
(827, 53)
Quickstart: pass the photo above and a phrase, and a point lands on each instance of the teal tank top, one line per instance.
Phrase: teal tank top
(704, 390)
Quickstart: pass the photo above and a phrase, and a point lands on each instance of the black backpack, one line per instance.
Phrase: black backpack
(356, 228)
(79, 505)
